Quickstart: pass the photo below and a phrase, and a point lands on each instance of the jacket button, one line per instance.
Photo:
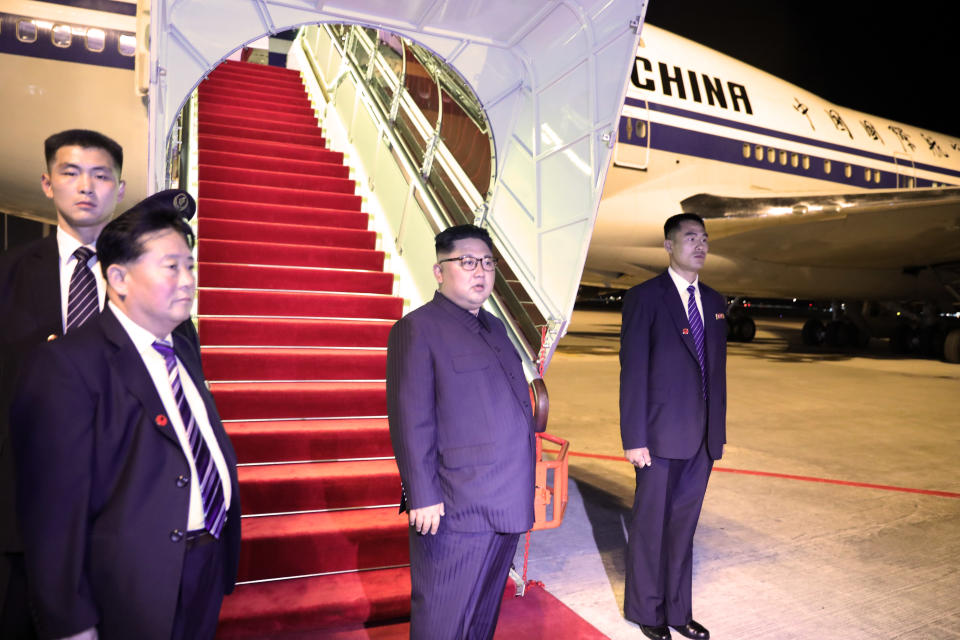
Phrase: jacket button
(182, 481)
(176, 535)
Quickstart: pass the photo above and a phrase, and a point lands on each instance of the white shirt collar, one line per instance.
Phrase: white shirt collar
(142, 339)
(681, 283)
(67, 244)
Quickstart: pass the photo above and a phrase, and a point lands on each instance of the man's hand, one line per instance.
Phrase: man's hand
(426, 519)
(638, 457)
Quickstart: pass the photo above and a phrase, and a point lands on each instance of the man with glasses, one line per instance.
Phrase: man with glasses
(462, 429)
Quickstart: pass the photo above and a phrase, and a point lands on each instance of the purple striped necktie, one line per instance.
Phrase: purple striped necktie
(696, 328)
(211, 489)
(82, 299)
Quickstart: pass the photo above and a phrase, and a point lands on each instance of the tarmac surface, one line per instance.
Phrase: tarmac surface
(835, 511)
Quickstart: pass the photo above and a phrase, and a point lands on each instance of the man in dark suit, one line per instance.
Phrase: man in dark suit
(463, 434)
(673, 398)
(82, 178)
(126, 480)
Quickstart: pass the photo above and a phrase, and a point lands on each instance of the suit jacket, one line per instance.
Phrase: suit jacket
(30, 312)
(661, 401)
(100, 494)
(460, 418)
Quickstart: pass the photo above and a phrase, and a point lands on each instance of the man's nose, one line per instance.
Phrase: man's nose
(85, 183)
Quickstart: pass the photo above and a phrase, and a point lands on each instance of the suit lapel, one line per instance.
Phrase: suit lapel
(678, 312)
(135, 375)
(45, 268)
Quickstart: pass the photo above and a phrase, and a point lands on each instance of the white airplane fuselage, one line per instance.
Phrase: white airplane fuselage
(697, 122)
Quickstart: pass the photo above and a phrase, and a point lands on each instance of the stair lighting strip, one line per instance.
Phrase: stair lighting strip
(274, 464)
(327, 573)
(309, 511)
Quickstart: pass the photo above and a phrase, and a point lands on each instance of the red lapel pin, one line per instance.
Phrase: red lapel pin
(686, 331)
(719, 316)
(160, 420)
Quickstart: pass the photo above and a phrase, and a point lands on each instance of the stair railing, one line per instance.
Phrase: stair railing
(447, 195)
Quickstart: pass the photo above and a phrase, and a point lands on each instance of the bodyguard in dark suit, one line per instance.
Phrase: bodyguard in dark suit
(126, 480)
(48, 287)
(673, 399)
(463, 433)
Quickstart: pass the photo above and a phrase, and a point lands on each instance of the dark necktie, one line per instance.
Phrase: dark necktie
(696, 328)
(82, 298)
(211, 489)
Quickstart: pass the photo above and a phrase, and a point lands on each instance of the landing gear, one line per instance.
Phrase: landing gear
(814, 333)
(951, 347)
(836, 333)
(741, 329)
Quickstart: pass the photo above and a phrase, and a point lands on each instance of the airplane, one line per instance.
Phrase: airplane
(802, 198)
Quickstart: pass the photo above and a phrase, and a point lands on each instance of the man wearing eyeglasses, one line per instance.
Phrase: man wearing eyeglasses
(463, 434)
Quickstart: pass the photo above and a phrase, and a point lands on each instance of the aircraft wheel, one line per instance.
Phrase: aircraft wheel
(951, 347)
(745, 329)
(859, 337)
(837, 334)
(903, 340)
(731, 330)
(813, 332)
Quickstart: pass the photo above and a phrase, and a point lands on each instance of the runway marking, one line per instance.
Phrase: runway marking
(786, 476)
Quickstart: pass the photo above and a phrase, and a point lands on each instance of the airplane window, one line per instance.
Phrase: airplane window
(641, 129)
(60, 36)
(847, 171)
(771, 155)
(746, 150)
(127, 44)
(27, 31)
(806, 162)
(910, 183)
(794, 160)
(876, 177)
(758, 152)
(783, 158)
(867, 174)
(96, 40)
(827, 166)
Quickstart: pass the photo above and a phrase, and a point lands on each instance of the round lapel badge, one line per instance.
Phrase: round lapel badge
(160, 420)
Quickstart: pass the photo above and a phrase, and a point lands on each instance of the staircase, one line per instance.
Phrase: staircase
(294, 314)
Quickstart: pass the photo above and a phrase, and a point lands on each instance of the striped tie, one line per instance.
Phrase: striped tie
(696, 328)
(211, 489)
(82, 302)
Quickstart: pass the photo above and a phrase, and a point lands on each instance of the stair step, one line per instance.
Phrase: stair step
(293, 363)
(264, 132)
(292, 304)
(215, 274)
(228, 75)
(276, 441)
(292, 332)
(217, 96)
(262, 114)
(281, 213)
(325, 602)
(251, 69)
(243, 84)
(283, 400)
(279, 165)
(288, 254)
(286, 180)
(268, 149)
(250, 122)
(306, 543)
(279, 195)
(220, 229)
(288, 488)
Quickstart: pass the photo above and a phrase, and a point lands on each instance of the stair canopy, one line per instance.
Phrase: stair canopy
(550, 78)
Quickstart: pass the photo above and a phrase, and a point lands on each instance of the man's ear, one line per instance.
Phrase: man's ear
(45, 185)
(117, 278)
(121, 190)
(438, 273)
(668, 245)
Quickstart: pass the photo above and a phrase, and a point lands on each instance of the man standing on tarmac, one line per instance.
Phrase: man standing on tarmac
(463, 432)
(47, 289)
(673, 399)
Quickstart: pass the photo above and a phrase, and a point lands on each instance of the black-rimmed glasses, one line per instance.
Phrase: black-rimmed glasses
(469, 263)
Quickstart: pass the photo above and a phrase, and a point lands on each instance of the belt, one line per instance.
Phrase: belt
(198, 537)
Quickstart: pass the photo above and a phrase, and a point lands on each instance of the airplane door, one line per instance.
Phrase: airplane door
(906, 171)
(632, 150)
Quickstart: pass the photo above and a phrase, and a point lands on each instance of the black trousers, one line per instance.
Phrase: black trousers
(201, 591)
(15, 620)
(457, 582)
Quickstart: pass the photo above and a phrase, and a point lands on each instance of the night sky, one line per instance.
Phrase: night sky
(900, 64)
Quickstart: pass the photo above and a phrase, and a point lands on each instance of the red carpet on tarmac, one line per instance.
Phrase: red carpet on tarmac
(294, 312)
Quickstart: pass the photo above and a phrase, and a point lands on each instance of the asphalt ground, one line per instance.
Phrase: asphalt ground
(835, 511)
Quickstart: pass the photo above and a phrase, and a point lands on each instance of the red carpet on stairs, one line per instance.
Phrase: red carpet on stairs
(295, 309)
(294, 314)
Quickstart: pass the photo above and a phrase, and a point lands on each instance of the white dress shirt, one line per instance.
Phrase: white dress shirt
(157, 368)
(66, 245)
(684, 294)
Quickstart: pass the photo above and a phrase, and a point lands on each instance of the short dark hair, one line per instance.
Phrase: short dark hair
(445, 239)
(121, 241)
(83, 138)
(673, 223)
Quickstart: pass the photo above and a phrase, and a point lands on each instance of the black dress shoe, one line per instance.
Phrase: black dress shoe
(693, 629)
(658, 632)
